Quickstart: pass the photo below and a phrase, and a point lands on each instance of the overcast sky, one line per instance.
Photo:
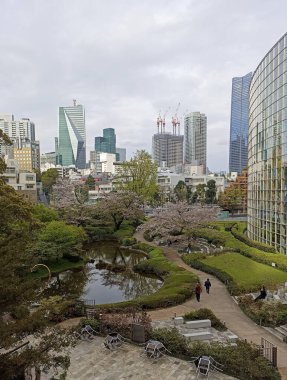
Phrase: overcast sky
(127, 60)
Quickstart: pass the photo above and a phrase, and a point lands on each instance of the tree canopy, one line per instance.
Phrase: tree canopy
(139, 175)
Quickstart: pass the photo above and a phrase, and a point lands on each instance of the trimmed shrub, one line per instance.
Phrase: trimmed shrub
(205, 314)
(20, 312)
(252, 243)
(127, 242)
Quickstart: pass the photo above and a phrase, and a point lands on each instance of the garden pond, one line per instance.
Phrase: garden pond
(107, 278)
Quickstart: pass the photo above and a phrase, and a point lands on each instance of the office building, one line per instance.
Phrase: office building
(28, 155)
(107, 143)
(195, 131)
(121, 154)
(102, 162)
(72, 136)
(238, 145)
(167, 149)
(267, 149)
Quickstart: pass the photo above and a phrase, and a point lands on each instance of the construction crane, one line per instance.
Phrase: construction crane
(163, 119)
(175, 121)
(159, 123)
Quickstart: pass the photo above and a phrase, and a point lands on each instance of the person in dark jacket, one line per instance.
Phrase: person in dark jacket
(198, 291)
(262, 295)
(207, 285)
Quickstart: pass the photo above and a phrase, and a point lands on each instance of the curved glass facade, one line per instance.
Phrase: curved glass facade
(267, 149)
(238, 151)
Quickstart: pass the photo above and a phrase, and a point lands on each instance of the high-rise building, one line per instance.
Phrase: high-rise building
(238, 146)
(17, 129)
(72, 136)
(267, 150)
(195, 130)
(121, 154)
(107, 143)
(167, 149)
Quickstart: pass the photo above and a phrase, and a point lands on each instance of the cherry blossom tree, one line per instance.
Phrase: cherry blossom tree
(120, 206)
(180, 218)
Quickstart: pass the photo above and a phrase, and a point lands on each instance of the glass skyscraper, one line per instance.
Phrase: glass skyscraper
(107, 143)
(238, 146)
(72, 136)
(267, 149)
(195, 130)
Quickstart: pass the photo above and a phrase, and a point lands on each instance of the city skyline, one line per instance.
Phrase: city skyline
(126, 62)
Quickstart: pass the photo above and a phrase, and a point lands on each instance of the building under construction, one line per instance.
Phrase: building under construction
(167, 148)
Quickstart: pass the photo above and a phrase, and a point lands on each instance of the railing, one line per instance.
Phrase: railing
(89, 302)
(269, 351)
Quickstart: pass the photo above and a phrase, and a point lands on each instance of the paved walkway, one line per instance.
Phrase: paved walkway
(223, 306)
(92, 361)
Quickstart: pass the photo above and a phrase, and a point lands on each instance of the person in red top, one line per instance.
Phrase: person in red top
(198, 290)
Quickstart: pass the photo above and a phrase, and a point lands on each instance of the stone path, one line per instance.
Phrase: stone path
(223, 306)
(92, 361)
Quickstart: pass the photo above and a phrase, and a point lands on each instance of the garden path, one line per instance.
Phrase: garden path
(223, 306)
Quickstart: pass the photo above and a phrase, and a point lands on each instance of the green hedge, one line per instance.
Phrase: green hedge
(177, 287)
(252, 243)
(253, 253)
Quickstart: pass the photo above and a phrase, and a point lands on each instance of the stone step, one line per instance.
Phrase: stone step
(200, 335)
(284, 327)
(281, 331)
(275, 333)
(199, 324)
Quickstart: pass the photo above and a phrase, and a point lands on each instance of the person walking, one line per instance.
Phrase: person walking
(207, 285)
(198, 291)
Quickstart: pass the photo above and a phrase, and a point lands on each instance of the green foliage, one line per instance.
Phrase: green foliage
(181, 191)
(231, 198)
(205, 314)
(139, 175)
(58, 239)
(90, 182)
(264, 313)
(210, 192)
(148, 235)
(49, 178)
(252, 243)
(20, 312)
(128, 241)
(211, 235)
(242, 361)
(93, 322)
(125, 231)
(4, 140)
(44, 214)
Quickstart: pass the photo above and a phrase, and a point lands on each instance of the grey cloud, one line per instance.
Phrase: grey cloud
(125, 60)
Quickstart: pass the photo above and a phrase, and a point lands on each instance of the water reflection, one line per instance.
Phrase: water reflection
(107, 286)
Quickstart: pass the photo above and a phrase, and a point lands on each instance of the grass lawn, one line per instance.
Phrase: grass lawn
(246, 273)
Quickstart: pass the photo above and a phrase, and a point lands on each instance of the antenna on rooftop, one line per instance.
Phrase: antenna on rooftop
(75, 102)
